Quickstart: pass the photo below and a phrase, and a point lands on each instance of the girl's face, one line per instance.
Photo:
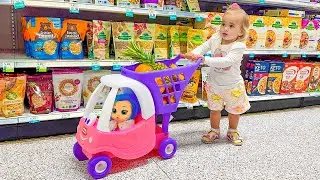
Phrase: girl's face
(230, 28)
(121, 111)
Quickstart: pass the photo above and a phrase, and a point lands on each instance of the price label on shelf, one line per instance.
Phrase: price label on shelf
(95, 66)
(8, 66)
(33, 119)
(173, 16)
(18, 4)
(285, 55)
(251, 55)
(199, 17)
(261, 1)
(152, 14)
(41, 67)
(74, 8)
(129, 13)
(318, 56)
(304, 55)
(116, 66)
(65, 115)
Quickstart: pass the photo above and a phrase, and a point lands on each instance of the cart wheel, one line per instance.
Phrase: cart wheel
(168, 148)
(77, 152)
(99, 166)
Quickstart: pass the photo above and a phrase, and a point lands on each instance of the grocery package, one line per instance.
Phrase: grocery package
(170, 5)
(40, 93)
(105, 2)
(26, 36)
(45, 36)
(101, 39)
(257, 83)
(91, 79)
(204, 77)
(12, 97)
(275, 32)
(144, 36)
(308, 41)
(161, 42)
(182, 5)
(289, 77)
(189, 94)
(67, 85)
(303, 77)
(318, 36)
(292, 33)
(183, 33)
(122, 33)
(184, 22)
(314, 83)
(193, 5)
(72, 36)
(128, 3)
(257, 33)
(284, 13)
(275, 77)
(173, 41)
(196, 37)
(211, 24)
(89, 36)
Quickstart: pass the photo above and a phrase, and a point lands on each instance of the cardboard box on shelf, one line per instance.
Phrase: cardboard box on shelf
(292, 34)
(314, 83)
(303, 77)
(308, 41)
(289, 77)
(257, 83)
(275, 32)
(284, 13)
(275, 77)
(257, 33)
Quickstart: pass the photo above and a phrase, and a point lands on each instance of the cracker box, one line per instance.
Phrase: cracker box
(314, 83)
(308, 41)
(292, 33)
(260, 77)
(275, 32)
(303, 77)
(257, 32)
(275, 77)
(290, 72)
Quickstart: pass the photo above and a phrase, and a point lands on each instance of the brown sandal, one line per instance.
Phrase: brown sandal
(210, 137)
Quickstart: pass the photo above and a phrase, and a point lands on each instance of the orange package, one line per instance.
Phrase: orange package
(26, 36)
(72, 36)
(303, 77)
(289, 77)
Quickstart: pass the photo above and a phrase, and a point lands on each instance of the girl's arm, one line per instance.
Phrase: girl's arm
(235, 55)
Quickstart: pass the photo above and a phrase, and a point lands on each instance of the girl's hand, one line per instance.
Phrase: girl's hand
(192, 57)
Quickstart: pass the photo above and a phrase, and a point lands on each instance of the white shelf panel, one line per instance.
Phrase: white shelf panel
(280, 52)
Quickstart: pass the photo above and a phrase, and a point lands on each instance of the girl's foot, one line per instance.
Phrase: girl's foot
(210, 137)
(234, 137)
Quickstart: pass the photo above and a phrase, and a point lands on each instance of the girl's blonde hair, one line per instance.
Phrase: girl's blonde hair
(245, 19)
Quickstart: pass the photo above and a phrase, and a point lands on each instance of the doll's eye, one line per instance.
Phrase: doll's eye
(124, 112)
(114, 110)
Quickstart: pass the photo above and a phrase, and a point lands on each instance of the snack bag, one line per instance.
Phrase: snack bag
(314, 84)
(161, 42)
(308, 39)
(44, 36)
(144, 36)
(275, 32)
(196, 37)
(292, 34)
(89, 36)
(101, 39)
(189, 94)
(122, 35)
(73, 34)
(193, 5)
(174, 41)
(183, 38)
(257, 32)
(303, 77)
(40, 93)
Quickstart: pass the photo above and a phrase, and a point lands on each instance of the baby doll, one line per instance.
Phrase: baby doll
(125, 109)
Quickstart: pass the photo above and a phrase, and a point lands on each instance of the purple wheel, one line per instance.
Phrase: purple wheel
(99, 166)
(77, 152)
(167, 148)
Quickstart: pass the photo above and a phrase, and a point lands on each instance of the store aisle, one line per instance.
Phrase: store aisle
(277, 145)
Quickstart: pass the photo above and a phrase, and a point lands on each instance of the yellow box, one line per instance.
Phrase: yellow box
(257, 32)
(292, 33)
(284, 13)
(275, 32)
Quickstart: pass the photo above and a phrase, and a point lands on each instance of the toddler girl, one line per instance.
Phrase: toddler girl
(225, 85)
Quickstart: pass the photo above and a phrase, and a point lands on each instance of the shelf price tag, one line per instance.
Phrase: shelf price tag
(116, 67)
(41, 67)
(95, 66)
(65, 116)
(318, 56)
(173, 16)
(74, 8)
(199, 17)
(152, 14)
(285, 55)
(261, 1)
(129, 13)
(304, 55)
(8, 67)
(19, 4)
(33, 119)
(251, 55)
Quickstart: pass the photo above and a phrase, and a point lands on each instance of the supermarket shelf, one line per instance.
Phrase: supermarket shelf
(280, 52)
(5, 2)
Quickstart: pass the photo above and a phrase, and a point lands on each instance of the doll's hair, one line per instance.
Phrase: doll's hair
(134, 103)
(244, 18)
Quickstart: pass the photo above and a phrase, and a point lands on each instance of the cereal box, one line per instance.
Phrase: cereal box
(318, 36)
(129, 3)
(303, 77)
(275, 32)
(174, 41)
(260, 77)
(275, 77)
(101, 39)
(122, 33)
(314, 83)
(196, 37)
(183, 33)
(161, 42)
(249, 76)
(290, 72)
(308, 41)
(257, 33)
(292, 33)
(144, 36)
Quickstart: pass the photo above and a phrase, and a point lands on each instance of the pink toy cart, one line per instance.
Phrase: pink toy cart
(97, 143)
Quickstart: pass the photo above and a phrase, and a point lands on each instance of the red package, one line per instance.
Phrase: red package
(40, 93)
(303, 77)
(289, 77)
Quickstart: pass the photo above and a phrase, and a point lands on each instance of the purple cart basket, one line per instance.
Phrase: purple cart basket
(177, 86)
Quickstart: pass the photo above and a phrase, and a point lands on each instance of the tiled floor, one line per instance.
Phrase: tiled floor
(277, 145)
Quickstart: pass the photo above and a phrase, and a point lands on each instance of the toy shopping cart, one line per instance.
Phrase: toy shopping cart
(97, 143)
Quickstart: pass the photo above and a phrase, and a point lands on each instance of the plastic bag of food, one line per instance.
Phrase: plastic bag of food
(161, 42)
(40, 93)
(190, 92)
(144, 36)
(67, 85)
(196, 37)
(101, 39)
(174, 41)
(122, 33)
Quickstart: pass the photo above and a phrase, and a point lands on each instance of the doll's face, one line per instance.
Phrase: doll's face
(121, 111)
